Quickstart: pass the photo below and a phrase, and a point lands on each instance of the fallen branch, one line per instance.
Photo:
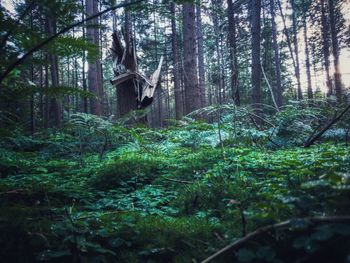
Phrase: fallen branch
(178, 181)
(239, 242)
(270, 88)
(64, 30)
(312, 139)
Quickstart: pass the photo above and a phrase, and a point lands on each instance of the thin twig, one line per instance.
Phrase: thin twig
(178, 181)
(258, 232)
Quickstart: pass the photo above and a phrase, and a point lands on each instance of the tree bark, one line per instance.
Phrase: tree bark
(200, 46)
(279, 90)
(325, 47)
(218, 72)
(192, 91)
(231, 14)
(126, 94)
(285, 30)
(335, 50)
(93, 70)
(296, 51)
(54, 104)
(176, 65)
(307, 58)
(256, 50)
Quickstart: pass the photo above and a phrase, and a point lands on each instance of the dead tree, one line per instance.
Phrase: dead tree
(134, 89)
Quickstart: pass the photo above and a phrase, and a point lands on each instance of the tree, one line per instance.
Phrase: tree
(296, 50)
(126, 96)
(279, 91)
(325, 46)
(231, 14)
(256, 64)
(307, 55)
(94, 73)
(192, 91)
(335, 49)
(176, 64)
(201, 67)
(55, 109)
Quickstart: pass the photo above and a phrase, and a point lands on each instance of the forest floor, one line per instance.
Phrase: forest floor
(171, 195)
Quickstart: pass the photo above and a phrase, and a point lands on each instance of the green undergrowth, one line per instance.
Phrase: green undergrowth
(158, 198)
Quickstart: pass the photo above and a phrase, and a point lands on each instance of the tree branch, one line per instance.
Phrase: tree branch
(312, 139)
(288, 223)
(64, 30)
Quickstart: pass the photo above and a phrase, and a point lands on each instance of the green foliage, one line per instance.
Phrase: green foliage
(129, 170)
(172, 195)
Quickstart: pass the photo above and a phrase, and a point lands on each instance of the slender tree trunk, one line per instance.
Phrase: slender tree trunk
(335, 50)
(85, 100)
(222, 68)
(279, 90)
(41, 98)
(98, 43)
(231, 14)
(296, 51)
(46, 100)
(307, 58)
(256, 64)
(285, 30)
(201, 69)
(176, 65)
(93, 71)
(325, 47)
(32, 102)
(55, 105)
(192, 91)
(218, 71)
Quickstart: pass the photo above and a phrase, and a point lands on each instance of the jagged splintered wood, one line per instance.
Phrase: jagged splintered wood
(136, 91)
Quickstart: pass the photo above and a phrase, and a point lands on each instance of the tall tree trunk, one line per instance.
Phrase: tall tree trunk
(307, 58)
(32, 98)
(218, 72)
(41, 96)
(176, 65)
(192, 91)
(200, 43)
(335, 50)
(285, 31)
(126, 95)
(233, 51)
(85, 100)
(279, 91)
(46, 100)
(55, 105)
(93, 70)
(98, 43)
(325, 47)
(256, 64)
(296, 51)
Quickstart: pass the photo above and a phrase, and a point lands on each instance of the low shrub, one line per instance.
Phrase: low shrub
(129, 171)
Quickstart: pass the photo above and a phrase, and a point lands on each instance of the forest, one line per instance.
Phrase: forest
(175, 131)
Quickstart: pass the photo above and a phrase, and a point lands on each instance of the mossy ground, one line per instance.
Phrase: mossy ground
(143, 204)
